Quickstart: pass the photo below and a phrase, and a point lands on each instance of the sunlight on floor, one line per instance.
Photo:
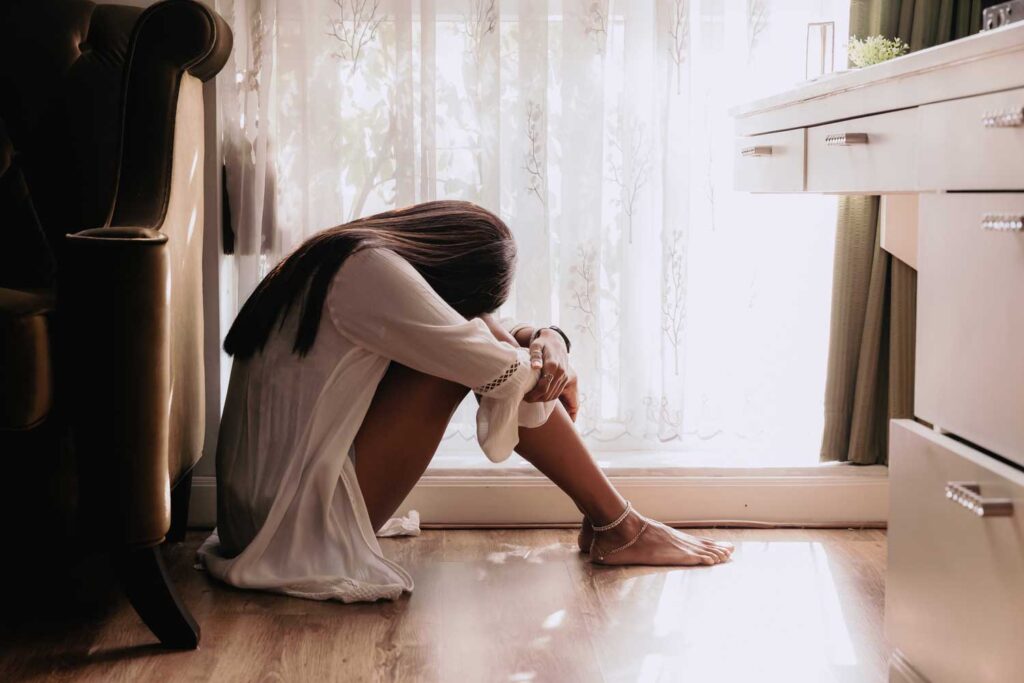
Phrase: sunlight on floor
(776, 603)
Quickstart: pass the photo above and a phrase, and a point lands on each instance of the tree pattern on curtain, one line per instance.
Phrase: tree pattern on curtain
(600, 132)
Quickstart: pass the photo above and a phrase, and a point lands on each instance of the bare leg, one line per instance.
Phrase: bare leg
(403, 429)
(399, 436)
(556, 449)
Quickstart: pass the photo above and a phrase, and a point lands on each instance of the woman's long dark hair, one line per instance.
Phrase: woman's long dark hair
(466, 253)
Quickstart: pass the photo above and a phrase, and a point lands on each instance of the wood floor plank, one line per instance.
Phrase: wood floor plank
(508, 605)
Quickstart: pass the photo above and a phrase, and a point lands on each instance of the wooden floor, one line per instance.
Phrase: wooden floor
(516, 606)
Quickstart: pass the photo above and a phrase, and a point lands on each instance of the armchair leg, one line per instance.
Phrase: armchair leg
(153, 596)
(180, 496)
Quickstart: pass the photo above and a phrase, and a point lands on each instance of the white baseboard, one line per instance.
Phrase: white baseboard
(826, 496)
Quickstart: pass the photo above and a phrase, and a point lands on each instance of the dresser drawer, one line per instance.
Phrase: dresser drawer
(975, 143)
(773, 162)
(869, 154)
(955, 580)
(970, 319)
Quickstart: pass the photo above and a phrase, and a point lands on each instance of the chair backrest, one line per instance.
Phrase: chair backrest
(88, 96)
(61, 94)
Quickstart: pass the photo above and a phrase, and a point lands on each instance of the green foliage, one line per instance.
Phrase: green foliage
(874, 50)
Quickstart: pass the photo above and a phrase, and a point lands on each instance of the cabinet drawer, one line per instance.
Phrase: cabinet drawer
(975, 143)
(773, 162)
(970, 319)
(955, 580)
(869, 154)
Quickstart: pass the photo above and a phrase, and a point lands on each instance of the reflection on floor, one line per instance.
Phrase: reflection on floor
(517, 606)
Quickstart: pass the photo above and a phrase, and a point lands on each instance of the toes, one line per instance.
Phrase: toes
(721, 551)
(706, 555)
(719, 554)
(721, 548)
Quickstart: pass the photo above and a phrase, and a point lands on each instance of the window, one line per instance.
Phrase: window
(600, 131)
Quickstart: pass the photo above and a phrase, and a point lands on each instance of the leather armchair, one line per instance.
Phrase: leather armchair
(101, 312)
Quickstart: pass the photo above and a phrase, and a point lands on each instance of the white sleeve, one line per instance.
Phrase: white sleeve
(381, 303)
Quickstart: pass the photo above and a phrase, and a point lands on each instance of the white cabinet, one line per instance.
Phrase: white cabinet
(973, 143)
(773, 162)
(955, 583)
(866, 154)
(970, 318)
(947, 124)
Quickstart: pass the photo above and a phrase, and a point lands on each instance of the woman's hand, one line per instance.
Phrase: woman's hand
(570, 397)
(548, 353)
(557, 378)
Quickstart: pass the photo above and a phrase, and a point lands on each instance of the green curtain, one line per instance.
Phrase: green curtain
(870, 377)
(919, 23)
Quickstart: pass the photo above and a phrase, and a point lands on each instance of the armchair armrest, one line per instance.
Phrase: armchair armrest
(114, 307)
(169, 39)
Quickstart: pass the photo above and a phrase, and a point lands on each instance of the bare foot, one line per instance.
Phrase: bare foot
(586, 536)
(648, 542)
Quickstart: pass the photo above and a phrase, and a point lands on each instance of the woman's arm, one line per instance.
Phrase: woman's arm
(500, 333)
(521, 332)
(380, 302)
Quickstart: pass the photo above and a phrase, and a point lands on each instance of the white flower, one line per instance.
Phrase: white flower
(874, 50)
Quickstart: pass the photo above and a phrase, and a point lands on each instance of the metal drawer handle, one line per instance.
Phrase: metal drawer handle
(967, 494)
(846, 139)
(1002, 222)
(759, 151)
(1009, 118)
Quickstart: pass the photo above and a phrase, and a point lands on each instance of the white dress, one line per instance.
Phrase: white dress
(290, 515)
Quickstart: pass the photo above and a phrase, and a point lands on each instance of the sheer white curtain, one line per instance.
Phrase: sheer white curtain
(599, 131)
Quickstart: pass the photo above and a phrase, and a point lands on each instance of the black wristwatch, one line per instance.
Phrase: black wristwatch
(563, 335)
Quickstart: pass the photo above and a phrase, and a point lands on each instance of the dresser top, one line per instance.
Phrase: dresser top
(978, 64)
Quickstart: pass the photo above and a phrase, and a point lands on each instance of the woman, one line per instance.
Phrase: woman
(364, 341)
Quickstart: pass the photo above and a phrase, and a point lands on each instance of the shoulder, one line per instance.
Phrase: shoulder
(375, 259)
(376, 271)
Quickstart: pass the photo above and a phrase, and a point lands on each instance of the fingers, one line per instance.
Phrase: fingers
(536, 394)
(570, 399)
(551, 385)
(553, 378)
(569, 408)
(536, 354)
(556, 386)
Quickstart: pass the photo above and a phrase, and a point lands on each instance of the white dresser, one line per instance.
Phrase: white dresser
(940, 134)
